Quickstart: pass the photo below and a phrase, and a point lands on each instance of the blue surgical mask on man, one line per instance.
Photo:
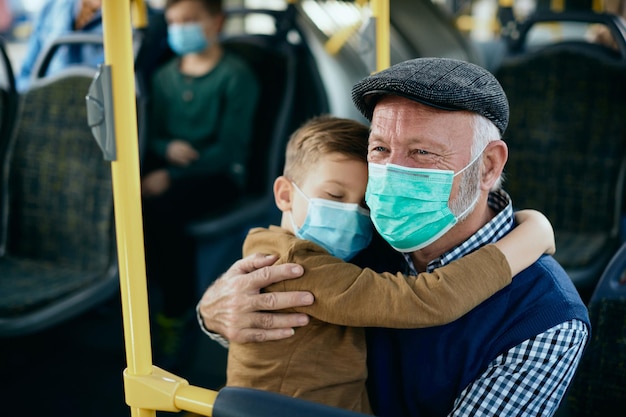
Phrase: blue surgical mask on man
(409, 206)
(186, 38)
(343, 229)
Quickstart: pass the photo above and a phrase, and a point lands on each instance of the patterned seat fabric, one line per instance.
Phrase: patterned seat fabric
(8, 107)
(60, 204)
(599, 387)
(567, 147)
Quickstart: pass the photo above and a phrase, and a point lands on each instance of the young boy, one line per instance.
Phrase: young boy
(201, 118)
(321, 196)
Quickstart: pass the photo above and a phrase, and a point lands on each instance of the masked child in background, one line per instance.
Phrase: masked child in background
(201, 117)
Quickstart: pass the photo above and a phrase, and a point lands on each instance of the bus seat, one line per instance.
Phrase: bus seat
(567, 145)
(60, 258)
(40, 69)
(8, 107)
(8, 95)
(599, 386)
(219, 236)
(251, 402)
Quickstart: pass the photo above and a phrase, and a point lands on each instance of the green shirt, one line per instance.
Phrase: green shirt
(214, 112)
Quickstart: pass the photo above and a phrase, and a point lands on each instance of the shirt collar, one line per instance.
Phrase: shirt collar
(500, 225)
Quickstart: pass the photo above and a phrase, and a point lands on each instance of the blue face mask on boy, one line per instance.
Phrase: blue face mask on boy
(343, 229)
(186, 38)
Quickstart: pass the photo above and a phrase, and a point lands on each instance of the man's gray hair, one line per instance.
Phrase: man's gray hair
(484, 132)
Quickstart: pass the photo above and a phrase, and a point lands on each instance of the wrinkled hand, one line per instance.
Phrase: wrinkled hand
(155, 183)
(234, 306)
(181, 153)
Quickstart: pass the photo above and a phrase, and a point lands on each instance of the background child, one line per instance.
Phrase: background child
(201, 117)
(324, 223)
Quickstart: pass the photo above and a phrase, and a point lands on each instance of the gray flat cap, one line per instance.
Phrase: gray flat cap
(443, 83)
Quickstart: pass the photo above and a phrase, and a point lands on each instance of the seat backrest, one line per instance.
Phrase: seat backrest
(7, 92)
(599, 386)
(567, 133)
(60, 199)
(567, 146)
(8, 108)
(272, 117)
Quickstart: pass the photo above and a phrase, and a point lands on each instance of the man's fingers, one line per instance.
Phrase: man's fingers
(273, 321)
(268, 275)
(272, 301)
(270, 326)
(251, 263)
(260, 335)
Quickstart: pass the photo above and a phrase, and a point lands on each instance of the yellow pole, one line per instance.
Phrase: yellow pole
(380, 12)
(557, 5)
(139, 13)
(118, 54)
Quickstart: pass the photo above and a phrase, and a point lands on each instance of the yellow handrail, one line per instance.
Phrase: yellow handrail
(118, 55)
(380, 16)
(147, 388)
(380, 11)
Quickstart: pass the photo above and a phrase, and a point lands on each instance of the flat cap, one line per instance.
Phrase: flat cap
(443, 83)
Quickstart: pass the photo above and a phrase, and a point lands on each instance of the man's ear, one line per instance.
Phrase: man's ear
(495, 156)
(283, 192)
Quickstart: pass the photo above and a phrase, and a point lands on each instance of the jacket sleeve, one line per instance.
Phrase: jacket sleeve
(347, 295)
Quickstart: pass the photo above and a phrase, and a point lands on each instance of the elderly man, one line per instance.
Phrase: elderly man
(436, 157)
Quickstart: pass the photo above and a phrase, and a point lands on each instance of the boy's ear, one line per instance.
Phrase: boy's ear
(283, 191)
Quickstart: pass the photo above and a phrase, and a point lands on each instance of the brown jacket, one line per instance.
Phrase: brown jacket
(325, 361)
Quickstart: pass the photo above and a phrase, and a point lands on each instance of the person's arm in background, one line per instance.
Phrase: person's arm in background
(157, 138)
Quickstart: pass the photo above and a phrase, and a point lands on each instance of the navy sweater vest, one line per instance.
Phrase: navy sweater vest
(420, 372)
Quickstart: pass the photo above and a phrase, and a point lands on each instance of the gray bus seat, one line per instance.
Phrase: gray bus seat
(8, 107)
(567, 144)
(60, 257)
(599, 386)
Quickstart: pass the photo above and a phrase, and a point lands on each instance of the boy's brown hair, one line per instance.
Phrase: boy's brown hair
(212, 6)
(323, 135)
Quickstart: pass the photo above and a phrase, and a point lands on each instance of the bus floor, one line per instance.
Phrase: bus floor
(75, 369)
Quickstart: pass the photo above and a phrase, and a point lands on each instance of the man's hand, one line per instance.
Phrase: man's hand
(181, 153)
(155, 183)
(234, 306)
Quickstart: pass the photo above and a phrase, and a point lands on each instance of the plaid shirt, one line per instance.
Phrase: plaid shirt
(531, 378)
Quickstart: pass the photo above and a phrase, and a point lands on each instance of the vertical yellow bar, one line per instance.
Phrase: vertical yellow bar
(380, 11)
(118, 53)
(557, 5)
(597, 6)
(139, 13)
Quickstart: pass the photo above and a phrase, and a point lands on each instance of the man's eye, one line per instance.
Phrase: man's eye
(379, 149)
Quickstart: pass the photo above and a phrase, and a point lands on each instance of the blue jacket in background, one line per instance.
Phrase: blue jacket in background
(56, 18)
